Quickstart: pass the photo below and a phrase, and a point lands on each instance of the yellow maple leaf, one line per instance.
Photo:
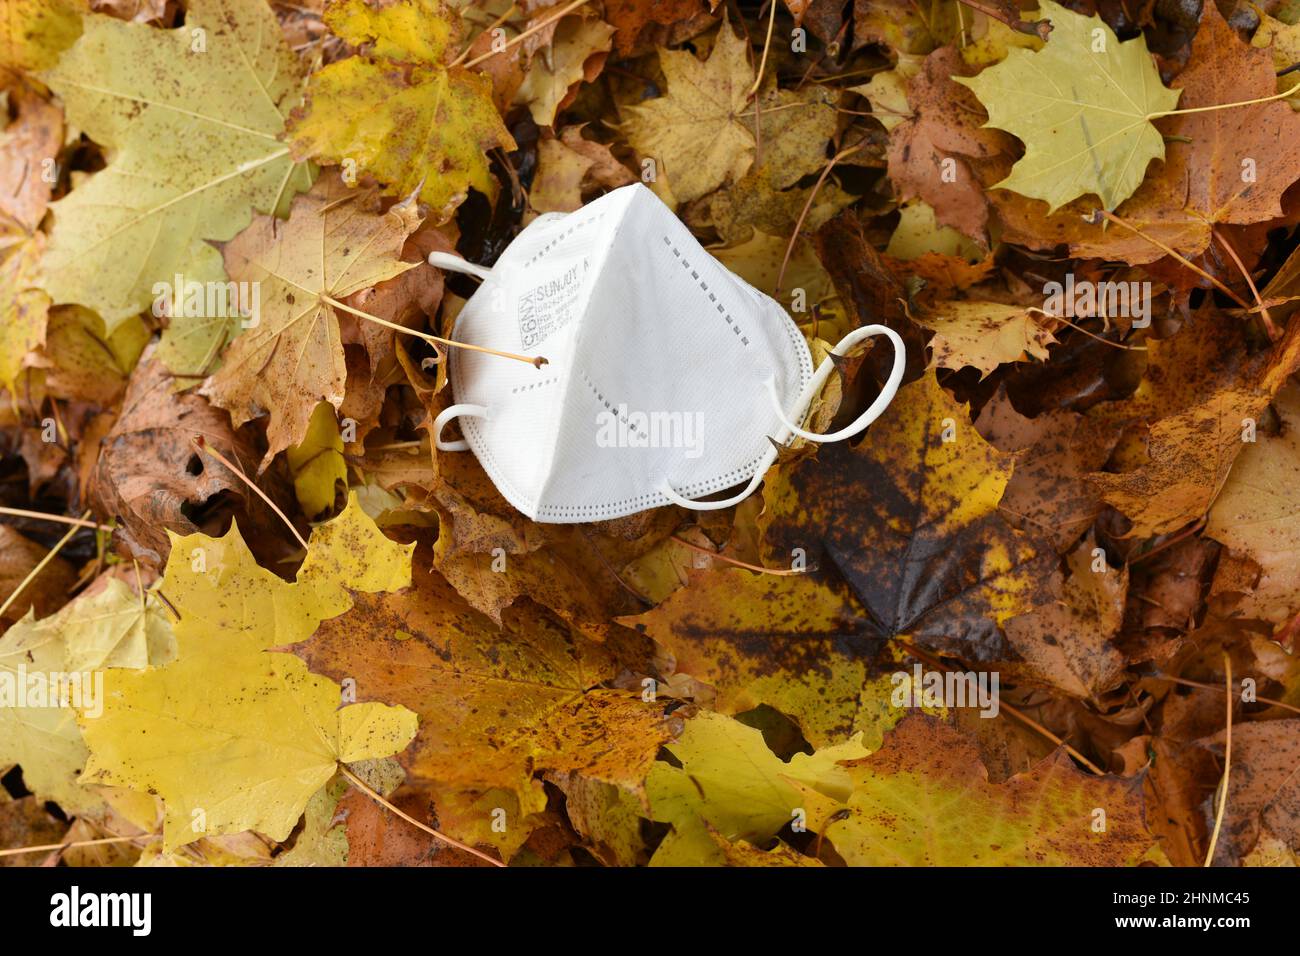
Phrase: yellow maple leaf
(698, 133)
(192, 135)
(34, 32)
(23, 309)
(234, 737)
(425, 127)
(317, 463)
(111, 627)
(727, 782)
(409, 30)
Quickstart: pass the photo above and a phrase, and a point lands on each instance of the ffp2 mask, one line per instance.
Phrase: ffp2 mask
(666, 374)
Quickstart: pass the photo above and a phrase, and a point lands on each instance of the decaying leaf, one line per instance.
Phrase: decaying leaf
(909, 519)
(985, 335)
(292, 358)
(538, 693)
(924, 799)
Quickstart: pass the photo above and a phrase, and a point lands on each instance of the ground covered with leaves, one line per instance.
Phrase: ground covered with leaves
(320, 641)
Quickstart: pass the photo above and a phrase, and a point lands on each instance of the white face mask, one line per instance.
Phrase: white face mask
(665, 373)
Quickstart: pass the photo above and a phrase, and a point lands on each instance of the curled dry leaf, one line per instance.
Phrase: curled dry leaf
(151, 477)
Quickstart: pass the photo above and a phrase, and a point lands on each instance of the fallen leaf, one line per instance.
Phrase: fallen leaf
(35, 32)
(1255, 513)
(1263, 788)
(425, 128)
(1082, 105)
(1067, 643)
(924, 799)
(909, 519)
(794, 643)
(194, 151)
(534, 690)
(727, 780)
(292, 358)
(576, 54)
(238, 738)
(984, 335)
(150, 475)
(697, 133)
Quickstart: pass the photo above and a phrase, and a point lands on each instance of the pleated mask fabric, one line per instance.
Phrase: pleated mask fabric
(667, 378)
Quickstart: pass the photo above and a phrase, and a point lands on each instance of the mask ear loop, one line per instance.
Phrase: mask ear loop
(823, 372)
(666, 490)
(445, 260)
(814, 386)
(446, 415)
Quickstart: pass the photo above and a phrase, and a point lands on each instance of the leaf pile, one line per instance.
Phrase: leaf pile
(220, 359)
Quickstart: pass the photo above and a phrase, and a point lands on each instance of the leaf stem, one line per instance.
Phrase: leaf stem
(784, 572)
(529, 32)
(1226, 106)
(1273, 333)
(1111, 217)
(65, 846)
(1080, 328)
(794, 236)
(1227, 761)
(487, 29)
(40, 565)
(767, 43)
(61, 519)
(202, 445)
(1014, 712)
(536, 361)
(1272, 701)
(373, 795)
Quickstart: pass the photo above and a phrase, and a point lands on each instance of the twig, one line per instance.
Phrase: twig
(362, 786)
